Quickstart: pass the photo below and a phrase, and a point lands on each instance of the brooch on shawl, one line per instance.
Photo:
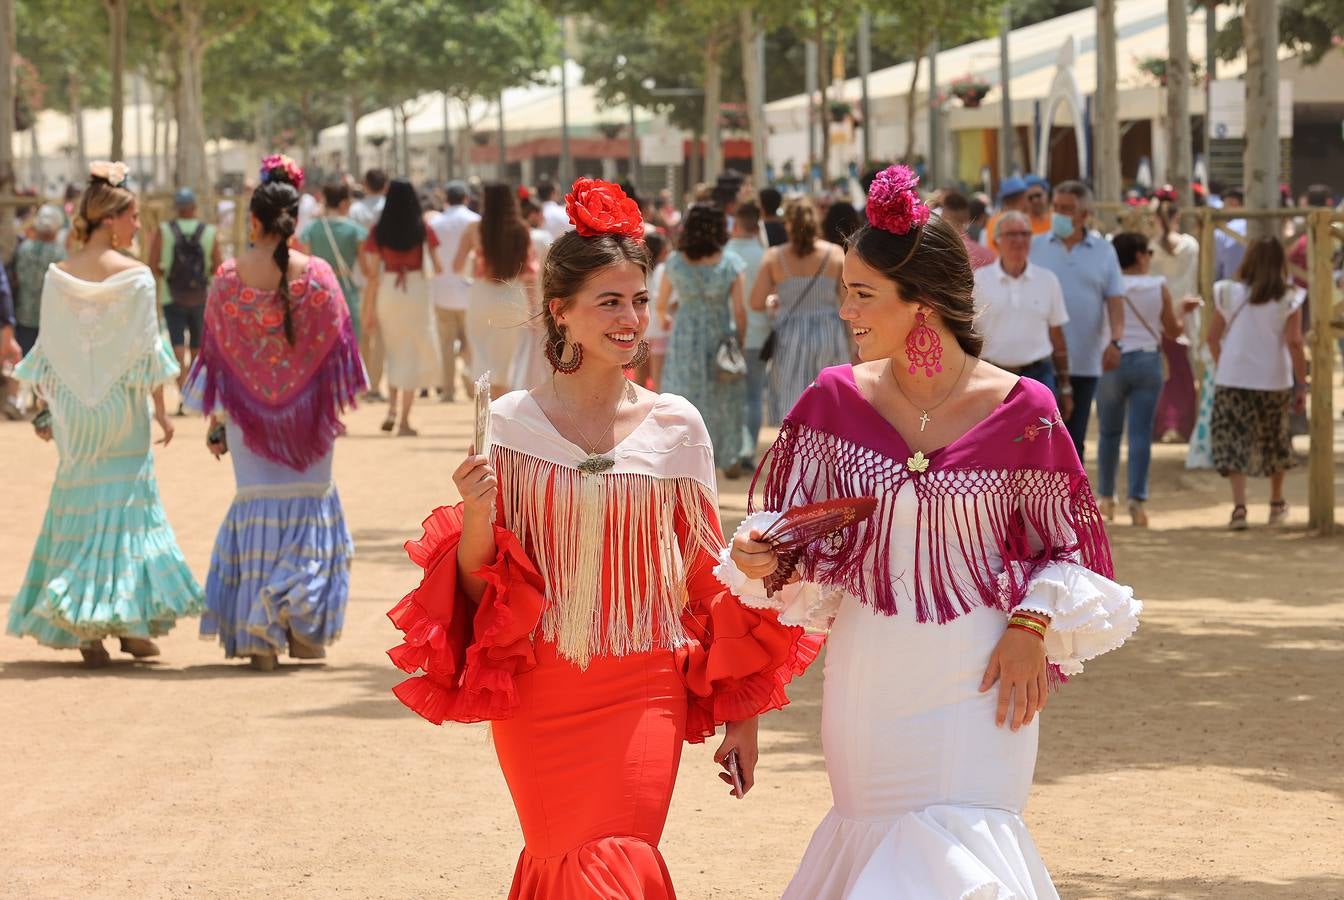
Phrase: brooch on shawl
(918, 463)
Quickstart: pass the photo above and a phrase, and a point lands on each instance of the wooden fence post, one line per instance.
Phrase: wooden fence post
(1321, 467)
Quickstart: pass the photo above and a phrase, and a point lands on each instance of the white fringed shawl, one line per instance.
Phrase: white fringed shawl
(614, 548)
(95, 335)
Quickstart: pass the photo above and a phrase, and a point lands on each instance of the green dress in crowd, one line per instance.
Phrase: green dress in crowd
(342, 256)
(106, 560)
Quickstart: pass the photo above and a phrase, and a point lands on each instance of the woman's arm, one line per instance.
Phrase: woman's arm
(660, 305)
(1217, 328)
(372, 265)
(740, 306)
(161, 416)
(1171, 325)
(765, 282)
(479, 487)
(465, 247)
(1292, 336)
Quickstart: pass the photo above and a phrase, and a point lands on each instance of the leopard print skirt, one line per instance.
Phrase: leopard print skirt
(1249, 431)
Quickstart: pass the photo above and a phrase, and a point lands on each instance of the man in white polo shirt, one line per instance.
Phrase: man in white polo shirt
(1020, 311)
(449, 290)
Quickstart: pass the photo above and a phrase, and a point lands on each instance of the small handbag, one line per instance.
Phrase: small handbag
(730, 364)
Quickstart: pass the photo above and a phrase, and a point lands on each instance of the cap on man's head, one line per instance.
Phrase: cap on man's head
(184, 198)
(1011, 187)
(1034, 180)
(455, 192)
(49, 219)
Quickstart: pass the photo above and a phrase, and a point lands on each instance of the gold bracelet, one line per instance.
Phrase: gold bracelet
(1028, 624)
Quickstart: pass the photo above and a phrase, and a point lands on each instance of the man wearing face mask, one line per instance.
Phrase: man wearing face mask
(1089, 274)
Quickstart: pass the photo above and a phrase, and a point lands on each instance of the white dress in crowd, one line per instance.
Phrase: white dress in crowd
(928, 791)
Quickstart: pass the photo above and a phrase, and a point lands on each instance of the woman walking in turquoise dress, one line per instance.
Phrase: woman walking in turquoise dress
(106, 562)
(711, 305)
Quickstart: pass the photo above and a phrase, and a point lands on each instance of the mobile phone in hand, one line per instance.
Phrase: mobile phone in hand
(735, 772)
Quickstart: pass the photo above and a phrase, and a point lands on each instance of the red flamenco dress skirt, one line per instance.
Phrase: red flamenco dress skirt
(590, 755)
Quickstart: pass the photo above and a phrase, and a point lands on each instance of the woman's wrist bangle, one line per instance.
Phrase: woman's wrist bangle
(1039, 619)
(1040, 633)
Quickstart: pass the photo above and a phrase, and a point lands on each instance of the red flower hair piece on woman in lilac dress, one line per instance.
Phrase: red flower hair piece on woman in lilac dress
(893, 203)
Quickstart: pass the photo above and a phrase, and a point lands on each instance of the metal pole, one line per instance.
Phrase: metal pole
(935, 138)
(865, 69)
(566, 176)
(810, 87)
(139, 133)
(1007, 134)
(632, 170)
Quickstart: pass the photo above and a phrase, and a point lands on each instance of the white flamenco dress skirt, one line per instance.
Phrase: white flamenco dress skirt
(928, 791)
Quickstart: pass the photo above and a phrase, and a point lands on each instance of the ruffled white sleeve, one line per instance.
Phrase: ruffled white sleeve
(805, 603)
(1089, 614)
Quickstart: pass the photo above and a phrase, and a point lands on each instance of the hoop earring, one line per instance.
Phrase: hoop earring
(640, 358)
(555, 355)
(923, 347)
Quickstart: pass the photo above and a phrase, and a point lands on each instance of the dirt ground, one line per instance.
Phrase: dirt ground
(1205, 759)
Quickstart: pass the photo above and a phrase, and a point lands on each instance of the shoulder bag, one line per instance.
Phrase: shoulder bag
(768, 348)
(1161, 350)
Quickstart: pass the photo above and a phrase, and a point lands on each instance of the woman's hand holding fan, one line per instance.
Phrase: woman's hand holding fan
(791, 533)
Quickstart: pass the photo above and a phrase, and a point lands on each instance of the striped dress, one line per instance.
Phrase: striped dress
(809, 335)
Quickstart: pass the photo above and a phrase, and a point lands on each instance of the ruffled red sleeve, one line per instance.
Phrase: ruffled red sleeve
(469, 653)
(738, 659)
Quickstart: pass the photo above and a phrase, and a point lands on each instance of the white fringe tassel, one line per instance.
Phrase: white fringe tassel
(616, 535)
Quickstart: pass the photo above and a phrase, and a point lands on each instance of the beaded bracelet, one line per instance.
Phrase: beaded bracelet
(1034, 617)
(1021, 627)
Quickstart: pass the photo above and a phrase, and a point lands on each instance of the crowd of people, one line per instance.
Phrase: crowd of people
(933, 353)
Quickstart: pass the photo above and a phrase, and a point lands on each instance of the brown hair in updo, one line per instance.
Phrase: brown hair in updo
(800, 221)
(276, 206)
(99, 202)
(573, 259)
(930, 266)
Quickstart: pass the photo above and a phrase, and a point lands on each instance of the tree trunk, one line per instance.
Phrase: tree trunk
(752, 70)
(1260, 161)
(153, 137)
(911, 105)
(305, 120)
(1180, 153)
(191, 161)
(7, 88)
(396, 139)
(352, 134)
(1105, 111)
(713, 93)
(824, 114)
(405, 144)
(697, 163)
(76, 86)
(117, 11)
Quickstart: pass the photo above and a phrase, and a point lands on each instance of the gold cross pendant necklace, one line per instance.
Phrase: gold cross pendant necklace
(924, 417)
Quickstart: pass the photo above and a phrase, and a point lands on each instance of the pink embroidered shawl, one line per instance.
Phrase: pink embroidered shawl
(1012, 487)
(287, 400)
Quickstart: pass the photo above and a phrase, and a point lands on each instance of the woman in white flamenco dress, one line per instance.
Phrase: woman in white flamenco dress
(933, 677)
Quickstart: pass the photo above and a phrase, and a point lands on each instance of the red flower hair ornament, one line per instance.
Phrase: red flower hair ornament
(600, 207)
(893, 203)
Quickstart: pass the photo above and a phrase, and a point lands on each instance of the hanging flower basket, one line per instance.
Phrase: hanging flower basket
(733, 120)
(1155, 67)
(480, 138)
(610, 129)
(970, 90)
(839, 110)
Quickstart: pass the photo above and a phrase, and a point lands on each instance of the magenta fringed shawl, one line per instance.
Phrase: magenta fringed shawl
(286, 399)
(1011, 488)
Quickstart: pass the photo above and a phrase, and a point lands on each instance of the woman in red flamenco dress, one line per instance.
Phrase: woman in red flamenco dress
(570, 600)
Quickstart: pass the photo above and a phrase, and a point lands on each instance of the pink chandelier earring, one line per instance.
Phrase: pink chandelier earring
(923, 348)
(640, 358)
(555, 355)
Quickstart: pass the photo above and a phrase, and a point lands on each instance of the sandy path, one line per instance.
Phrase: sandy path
(1204, 760)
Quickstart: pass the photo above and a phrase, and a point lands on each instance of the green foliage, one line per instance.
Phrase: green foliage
(1308, 27)
(65, 42)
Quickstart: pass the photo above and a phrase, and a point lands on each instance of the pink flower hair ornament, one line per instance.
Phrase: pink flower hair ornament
(278, 167)
(893, 203)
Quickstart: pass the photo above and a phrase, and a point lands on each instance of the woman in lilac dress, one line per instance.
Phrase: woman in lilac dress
(278, 366)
